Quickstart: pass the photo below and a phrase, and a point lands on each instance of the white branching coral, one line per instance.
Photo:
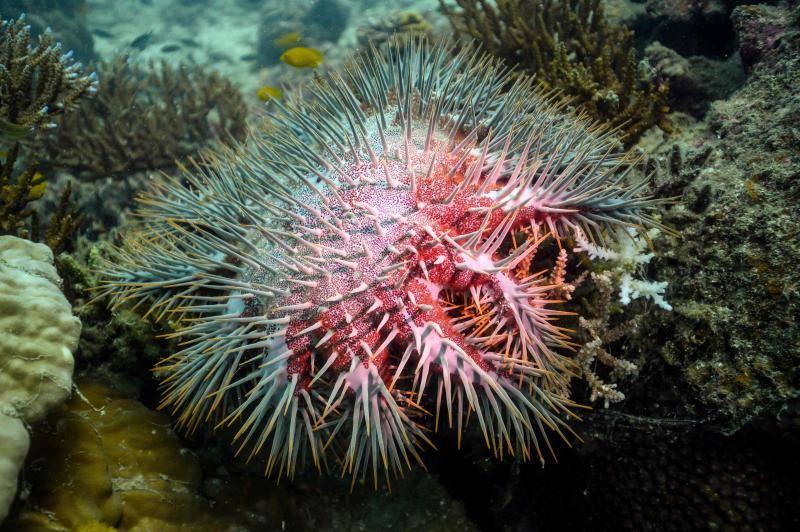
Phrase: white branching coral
(599, 334)
(627, 259)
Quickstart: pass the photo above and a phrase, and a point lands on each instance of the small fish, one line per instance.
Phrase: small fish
(37, 187)
(288, 39)
(37, 190)
(168, 49)
(103, 33)
(220, 57)
(11, 131)
(302, 57)
(191, 43)
(141, 42)
(267, 93)
(248, 57)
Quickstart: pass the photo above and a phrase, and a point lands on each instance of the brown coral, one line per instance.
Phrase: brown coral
(36, 84)
(569, 46)
(145, 119)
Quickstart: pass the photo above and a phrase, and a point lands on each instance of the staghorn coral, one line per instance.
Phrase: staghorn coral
(67, 19)
(599, 334)
(36, 85)
(569, 46)
(39, 334)
(347, 285)
(144, 119)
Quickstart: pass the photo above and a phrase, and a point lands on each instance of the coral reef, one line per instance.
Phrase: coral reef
(106, 462)
(120, 342)
(733, 336)
(695, 81)
(36, 85)
(569, 46)
(144, 119)
(377, 269)
(759, 29)
(39, 334)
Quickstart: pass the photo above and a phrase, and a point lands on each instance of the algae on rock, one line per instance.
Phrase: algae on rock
(735, 272)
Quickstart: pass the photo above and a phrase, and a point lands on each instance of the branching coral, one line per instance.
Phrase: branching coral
(569, 46)
(598, 335)
(624, 263)
(145, 119)
(375, 271)
(36, 84)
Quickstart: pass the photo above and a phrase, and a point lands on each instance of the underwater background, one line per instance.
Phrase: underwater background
(684, 337)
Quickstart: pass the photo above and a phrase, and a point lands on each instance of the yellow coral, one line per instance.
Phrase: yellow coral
(111, 463)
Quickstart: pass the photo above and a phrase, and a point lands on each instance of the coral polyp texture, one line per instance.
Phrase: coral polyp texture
(383, 258)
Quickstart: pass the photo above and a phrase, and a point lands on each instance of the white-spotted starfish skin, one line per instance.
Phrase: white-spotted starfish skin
(360, 271)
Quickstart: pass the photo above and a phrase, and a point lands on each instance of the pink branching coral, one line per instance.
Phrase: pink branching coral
(364, 269)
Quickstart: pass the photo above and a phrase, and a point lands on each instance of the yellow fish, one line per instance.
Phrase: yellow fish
(287, 39)
(266, 93)
(37, 187)
(37, 190)
(301, 57)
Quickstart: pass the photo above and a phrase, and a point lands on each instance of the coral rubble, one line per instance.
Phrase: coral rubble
(569, 46)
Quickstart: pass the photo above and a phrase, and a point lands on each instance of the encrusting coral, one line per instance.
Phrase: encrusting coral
(103, 461)
(109, 463)
(569, 46)
(39, 334)
(144, 119)
(36, 84)
(348, 285)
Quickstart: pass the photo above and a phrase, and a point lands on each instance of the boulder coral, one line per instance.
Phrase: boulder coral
(38, 334)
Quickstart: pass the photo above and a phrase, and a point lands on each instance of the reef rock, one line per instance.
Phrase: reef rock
(734, 275)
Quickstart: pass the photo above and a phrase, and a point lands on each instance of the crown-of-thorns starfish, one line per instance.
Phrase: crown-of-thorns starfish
(347, 277)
